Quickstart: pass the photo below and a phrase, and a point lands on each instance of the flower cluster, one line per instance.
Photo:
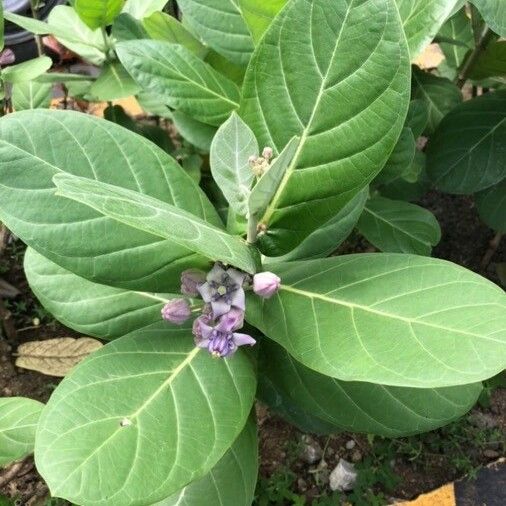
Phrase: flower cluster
(222, 290)
(260, 164)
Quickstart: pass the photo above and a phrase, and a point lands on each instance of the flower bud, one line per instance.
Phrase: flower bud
(176, 311)
(267, 153)
(6, 57)
(191, 280)
(266, 284)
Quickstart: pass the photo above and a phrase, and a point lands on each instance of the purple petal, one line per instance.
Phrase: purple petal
(239, 299)
(219, 308)
(203, 343)
(215, 273)
(237, 277)
(206, 292)
(242, 339)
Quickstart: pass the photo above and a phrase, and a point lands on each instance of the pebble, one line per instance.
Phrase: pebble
(302, 485)
(350, 444)
(356, 456)
(343, 477)
(311, 450)
(491, 454)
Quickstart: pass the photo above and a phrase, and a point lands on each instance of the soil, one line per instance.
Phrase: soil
(402, 469)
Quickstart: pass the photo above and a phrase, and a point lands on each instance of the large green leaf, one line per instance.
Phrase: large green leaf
(74, 236)
(232, 147)
(259, 15)
(126, 27)
(31, 95)
(394, 226)
(230, 482)
(365, 407)
(302, 81)
(418, 117)
(220, 25)
(494, 13)
(491, 205)
(92, 309)
(466, 154)
(422, 19)
(158, 218)
(197, 133)
(27, 70)
(492, 62)
(151, 396)
(18, 421)
(113, 83)
(140, 9)
(183, 80)
(98, 13)
(2, 41)
(457, 30)
(326, 239)
(392, 319)
(440, 95)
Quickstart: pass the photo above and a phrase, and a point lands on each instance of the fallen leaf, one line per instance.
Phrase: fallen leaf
(55, 357)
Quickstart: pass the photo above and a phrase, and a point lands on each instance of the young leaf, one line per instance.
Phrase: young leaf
(309, 91)
(491, 205)
(231, 481)
(113, 83)
(440, 95)
(92, 309)
(158, 218)
(267, 186)
(388, 319)
(399, 227)
(259, 15)
(458, 30)
(18, 421)
(220, 25)
(156, 398)
(326, 239)
(364, 407)
(418, 117)
(466, 154)
(31, 95)
(55, 357)
(183, 80)
(494, 14)
(161, 26)
(231, 149)
(422, 20)
(98, 13)
(140, 9)
(27, 70)
(126, 27)
(74, 236)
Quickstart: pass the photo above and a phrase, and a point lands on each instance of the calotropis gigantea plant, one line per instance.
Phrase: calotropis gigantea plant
(203, 317)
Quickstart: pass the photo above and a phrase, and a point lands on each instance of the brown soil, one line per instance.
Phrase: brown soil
(465, 241)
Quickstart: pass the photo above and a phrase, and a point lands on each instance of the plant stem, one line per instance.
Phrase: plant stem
(473, 57)
(38, 41)
(494, 245)
(252, 230)
(106, 44)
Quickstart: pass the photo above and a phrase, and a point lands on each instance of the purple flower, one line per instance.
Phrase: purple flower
(223, 290)
(176, 311)
(266, 284)
(6, 57)
(220, 340)
(191, 280)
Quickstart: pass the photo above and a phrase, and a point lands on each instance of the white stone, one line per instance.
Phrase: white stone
(343, 477)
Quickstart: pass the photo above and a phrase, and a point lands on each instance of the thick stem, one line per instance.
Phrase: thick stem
(38, 40)
(252, 230)
(473, 57)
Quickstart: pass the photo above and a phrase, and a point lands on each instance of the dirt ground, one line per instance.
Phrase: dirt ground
(389, 470)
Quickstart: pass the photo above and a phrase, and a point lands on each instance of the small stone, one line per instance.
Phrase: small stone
(343, 477)
(491, 454)
(356, 456)
(301, 485)
(482, 420)
(311, 450)
(350, 444)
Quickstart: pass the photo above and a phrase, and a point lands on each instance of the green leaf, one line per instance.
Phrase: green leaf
(113, 83)
(156, 398)
(365, 407)
(140, 9)
(196, 133)
(231, 150)
(90, 308)
(31, 95)
(158, 218)
(231, 481)
(491, 205)
(392, 319)
(492, 62)
(18, 421)
(27, 70)
(219, 63)
(440, 94)
(399, 227)
(466, 154)
(302, 81)
(400, 159)
(418, 117)
(494, 14)
(267, 186)
(161, 26)
(98, 13)
(220, 25)
(326, 239)
(2, 41)
(126, 27)
(259, 15)
(183, 80)
(422, 19)
(457, 29)
(30, 24)
(74, 236)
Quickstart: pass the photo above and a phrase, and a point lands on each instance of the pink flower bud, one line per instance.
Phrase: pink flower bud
(176, 311)
(191, 280)
(6, 57)
(266, 284)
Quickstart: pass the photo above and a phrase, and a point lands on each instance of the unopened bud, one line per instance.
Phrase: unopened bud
(6, 57)
(191, 280)
(176, 311)
(267, 153)
(266, 284)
